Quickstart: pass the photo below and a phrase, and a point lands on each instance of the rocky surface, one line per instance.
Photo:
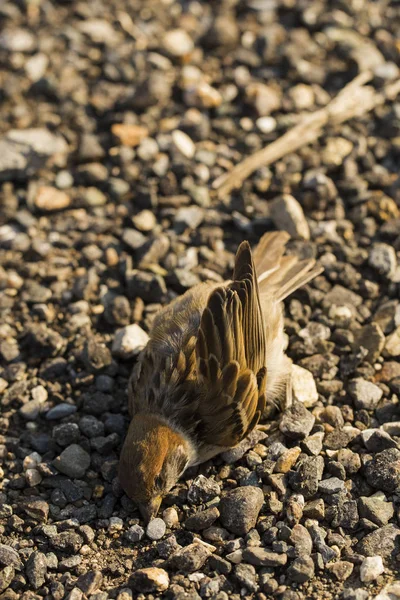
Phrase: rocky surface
(116, 119)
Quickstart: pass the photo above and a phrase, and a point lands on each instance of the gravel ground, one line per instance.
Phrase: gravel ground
(116, 117)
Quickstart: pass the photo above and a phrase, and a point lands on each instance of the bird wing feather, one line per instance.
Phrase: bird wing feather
(231, 352)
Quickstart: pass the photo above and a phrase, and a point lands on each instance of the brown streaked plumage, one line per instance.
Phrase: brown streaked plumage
(214, 355)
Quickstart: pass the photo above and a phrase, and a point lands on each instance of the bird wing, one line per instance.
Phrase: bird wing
(166, 369)
(230, 353)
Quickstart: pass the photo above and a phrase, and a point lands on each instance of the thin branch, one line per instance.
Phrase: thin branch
(354, 100)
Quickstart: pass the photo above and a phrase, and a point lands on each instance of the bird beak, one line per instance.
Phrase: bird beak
(150, 510)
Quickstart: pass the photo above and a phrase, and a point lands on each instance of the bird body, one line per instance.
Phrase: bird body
(214, 355)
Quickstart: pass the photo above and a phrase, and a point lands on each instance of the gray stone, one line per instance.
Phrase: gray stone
(376, 510)
(90, 582)
(23, 152)
(308, 474)
(296, 422)
(365, 394)
(9, 557)
(67, 541)
(190, 558)
(203, 519)
(36, 569)
(74, 461)
(372, 338)
(383, 471)
(246, 576)
(261, 557)
(239, 509)
(236, 453)
(155, 530)
(301, 540)
(288, 215)
(6, 576)
(383, 259)
(384, 542)
(134, 533)
(301, 569)
(330, 486)
(60, 411)
(66, 434)
(203, 489)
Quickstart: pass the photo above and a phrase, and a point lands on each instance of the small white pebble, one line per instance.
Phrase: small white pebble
(115, 524)
(156, 529)
(266, 124)
(39, 393)
(183, 143)
(371, 568)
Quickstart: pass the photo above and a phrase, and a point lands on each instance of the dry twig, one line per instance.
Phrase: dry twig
(354, 100)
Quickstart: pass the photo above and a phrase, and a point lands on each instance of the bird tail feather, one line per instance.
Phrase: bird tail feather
(279, 275)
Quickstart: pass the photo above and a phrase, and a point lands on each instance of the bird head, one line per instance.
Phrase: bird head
(153, 458)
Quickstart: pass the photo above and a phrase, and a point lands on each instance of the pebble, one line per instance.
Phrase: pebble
(266, 124)
(191, 558)
(90, 582)
(183, 144)
(303, 386)
(240, 508)
(36, 569)
(301, 569)
(60, 411)
(286, 461)
(155, 530)
(144, 221)
(392, 344)
(246, 576)
(372, 338)
(203, 519)
(50, 198)
(297, 422)
(365, 394)
(307, 476)
(384, 542)
(149, 580)
(134, 533)
(6, 576)
(376, 510)
(9, 557)
(202, 490)
(115, 524)
(177, 42)
(330, 486)
(382, 258)
(383, 470)
(170, 517)
(264, 558)
(371, 568)
(129, 135)
(129, 341)
(287, 215)
(74, 461)
(341, 569)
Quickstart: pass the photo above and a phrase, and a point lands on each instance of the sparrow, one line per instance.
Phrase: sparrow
(214, 357)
